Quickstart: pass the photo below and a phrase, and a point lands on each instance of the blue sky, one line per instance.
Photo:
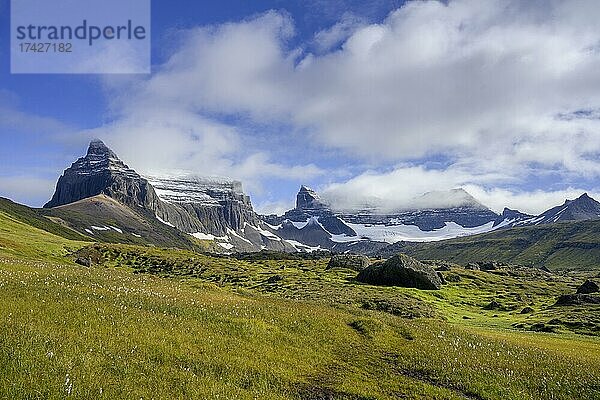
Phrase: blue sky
(364, 100)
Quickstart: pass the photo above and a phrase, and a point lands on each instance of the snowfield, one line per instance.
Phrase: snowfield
(411, 233)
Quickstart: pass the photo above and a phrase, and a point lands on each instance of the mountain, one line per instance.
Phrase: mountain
(308, 199)
(205, 209)
(581, 209)
(311, 224)
(441, 215)
(37, 219)
(100, 197)
(510, 218)
(432, 211)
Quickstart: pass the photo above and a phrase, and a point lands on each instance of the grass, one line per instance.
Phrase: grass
(159, 323)
(566, 245)
(36, 218)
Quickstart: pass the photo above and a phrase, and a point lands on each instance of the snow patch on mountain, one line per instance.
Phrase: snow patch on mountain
(411, 233)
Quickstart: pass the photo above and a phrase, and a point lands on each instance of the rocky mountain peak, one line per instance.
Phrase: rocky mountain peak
(582, 208)
(100, 171)
(307, 199)
(202, 207)
(510, 213)
(585, 199)
(98, 148)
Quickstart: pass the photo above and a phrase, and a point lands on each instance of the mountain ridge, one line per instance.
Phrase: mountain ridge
(228, 216)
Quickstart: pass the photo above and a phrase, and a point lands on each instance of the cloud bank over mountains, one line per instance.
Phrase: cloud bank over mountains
(502, 98)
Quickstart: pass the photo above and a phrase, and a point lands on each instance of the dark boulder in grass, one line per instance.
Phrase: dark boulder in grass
(275, 279)
(488, 265)
(577, 299)
(349, 261)
(401, 270)
(493, 305)
(588, 287)
(85, 261)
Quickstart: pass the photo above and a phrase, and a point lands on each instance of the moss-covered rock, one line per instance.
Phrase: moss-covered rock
(401, 270)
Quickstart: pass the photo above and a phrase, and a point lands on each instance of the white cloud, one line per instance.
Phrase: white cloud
(401, 188)
(466, 78)
(486, 84)
(533, 202)
(273, 207)
(398, 188)
(327, 39)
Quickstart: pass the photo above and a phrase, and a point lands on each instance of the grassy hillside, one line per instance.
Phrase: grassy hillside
(121, 224)
(157, 323)
(37, 219)
(568, 245)
(21, 241)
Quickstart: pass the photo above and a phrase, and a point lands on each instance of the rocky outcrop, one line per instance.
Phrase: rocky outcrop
(308, 199)
(577, 299)
(401, 270)
(588, 287)
(101, 172)
(348, 261)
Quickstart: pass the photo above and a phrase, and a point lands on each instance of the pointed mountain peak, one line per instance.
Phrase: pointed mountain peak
(304, 188)
(583, 199)
(308, 199)
(512, 213)
(98, 148)
(582, 208)
(584, 196)
(95, 174)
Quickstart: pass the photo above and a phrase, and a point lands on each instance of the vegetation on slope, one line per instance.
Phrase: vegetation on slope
(37, 219)
(566, 245)
(67, 331)
(194, 326)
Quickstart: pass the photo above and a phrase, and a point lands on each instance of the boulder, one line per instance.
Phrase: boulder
(527, 310)
(85, 261)
(588, 287)
(401, 270)
(441, 276)
(577, 299)
(349, 261)
(472, 266)
(488, 265)
(493, 305)
(275, 279)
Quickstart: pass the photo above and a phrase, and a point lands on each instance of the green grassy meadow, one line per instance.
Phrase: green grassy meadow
(153, 323)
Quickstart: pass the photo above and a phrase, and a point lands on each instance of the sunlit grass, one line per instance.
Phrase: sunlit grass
(154, 323)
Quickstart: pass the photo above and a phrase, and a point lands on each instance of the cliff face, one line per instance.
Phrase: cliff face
(101, 172)
(211, 207)
(217, 204)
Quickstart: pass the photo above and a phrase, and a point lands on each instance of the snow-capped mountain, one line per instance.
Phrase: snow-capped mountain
(510, 218)
(316, 224)
(163, 208)
(431, 211)
(580, 209)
